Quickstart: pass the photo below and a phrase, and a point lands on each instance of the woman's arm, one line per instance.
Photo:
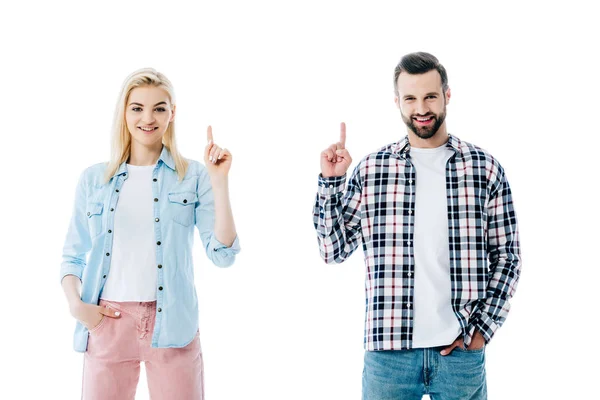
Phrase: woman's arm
(224, 224)
(214, 217)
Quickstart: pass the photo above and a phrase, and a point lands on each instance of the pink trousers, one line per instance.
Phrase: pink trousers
(117, 346)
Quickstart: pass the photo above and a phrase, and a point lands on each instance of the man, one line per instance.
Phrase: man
(435, 218)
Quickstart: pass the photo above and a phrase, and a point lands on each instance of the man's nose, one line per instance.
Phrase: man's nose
(422, 108)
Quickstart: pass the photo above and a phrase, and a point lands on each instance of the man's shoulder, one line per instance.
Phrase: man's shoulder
(475, 153)
(384, 152)
(482, 160)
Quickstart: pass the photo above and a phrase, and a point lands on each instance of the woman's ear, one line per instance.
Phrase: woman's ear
(173, 113)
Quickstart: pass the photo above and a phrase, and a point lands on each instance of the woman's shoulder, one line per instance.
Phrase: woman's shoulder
(195, 168)
(95, 174)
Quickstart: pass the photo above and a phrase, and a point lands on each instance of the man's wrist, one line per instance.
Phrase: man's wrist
(331, 185)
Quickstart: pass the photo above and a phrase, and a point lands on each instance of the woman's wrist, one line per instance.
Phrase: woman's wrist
(219, 182)
(75, 307)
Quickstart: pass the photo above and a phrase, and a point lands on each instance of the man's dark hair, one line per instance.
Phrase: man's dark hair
(419, 63)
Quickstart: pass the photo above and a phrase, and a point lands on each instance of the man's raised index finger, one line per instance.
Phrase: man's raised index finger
(343, 134)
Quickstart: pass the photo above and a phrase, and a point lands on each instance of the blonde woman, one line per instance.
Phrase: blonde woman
(127, 261)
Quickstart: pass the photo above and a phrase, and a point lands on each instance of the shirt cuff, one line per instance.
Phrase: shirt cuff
(75, 271)
(332, 185)
(486, 326)
(215, 245)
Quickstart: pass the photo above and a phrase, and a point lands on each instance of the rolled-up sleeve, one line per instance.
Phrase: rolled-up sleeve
(217, 252)
(336, 217)
(78, 241)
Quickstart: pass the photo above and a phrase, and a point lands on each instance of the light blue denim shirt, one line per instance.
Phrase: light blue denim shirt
(178, 206)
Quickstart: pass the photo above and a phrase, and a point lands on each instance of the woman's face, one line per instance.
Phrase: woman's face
(148, 114)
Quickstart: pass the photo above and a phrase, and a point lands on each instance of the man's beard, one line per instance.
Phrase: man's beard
(425, 132)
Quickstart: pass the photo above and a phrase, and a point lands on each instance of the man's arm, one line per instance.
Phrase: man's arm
(504, 258)
(336, 217)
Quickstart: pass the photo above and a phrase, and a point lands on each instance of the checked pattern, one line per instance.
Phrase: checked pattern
(377, 210)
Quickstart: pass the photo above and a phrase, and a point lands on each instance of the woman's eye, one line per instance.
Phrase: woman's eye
(136, 109)
(160, 109)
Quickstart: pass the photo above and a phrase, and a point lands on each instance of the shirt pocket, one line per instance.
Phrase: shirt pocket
(183, 205)
(94, 214)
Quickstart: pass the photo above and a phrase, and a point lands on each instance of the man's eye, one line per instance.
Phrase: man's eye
(431, 97)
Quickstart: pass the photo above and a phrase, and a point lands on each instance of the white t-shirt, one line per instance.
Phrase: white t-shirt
(435, 324)
(133, 272)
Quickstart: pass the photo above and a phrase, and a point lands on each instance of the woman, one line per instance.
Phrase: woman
(127, 261)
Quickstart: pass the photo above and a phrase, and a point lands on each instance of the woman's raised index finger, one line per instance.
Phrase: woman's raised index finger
(209, 136)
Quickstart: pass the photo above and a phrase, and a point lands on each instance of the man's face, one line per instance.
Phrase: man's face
(421, 102)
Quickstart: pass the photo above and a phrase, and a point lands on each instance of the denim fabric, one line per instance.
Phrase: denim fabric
(178, 207)
(410, 374)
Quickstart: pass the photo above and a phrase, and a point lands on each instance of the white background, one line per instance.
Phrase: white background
(275, 79)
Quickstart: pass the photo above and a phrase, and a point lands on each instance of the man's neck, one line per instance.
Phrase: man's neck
(437, 140)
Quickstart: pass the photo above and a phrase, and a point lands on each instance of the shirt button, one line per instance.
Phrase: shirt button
(410, 181)
(160, 288)
(107, 254)
(112, 209)
(408, 305)
(184, 201)
(408, 243)
(158, 243)
(155, 200)
(410, 211)
(109, 231)
(330, 186)
(104, 276)
(117, 190)
(154, 180)
(159, 310)
(410, 274)
(159, 266)
(156, 219)
(88, 214)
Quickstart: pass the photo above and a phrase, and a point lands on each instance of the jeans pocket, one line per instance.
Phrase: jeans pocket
(480, 350)
(95, 329)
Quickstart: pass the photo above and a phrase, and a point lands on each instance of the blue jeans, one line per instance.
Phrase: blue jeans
(409, 374)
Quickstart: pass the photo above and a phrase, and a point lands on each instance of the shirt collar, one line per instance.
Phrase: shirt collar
(165, 157)
(403, 145)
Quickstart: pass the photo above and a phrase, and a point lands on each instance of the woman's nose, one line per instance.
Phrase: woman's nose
(147, 117)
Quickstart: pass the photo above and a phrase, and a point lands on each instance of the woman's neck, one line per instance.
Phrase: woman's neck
(143, 155)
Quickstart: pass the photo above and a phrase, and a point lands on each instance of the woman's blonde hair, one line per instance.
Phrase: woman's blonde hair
(121, 138)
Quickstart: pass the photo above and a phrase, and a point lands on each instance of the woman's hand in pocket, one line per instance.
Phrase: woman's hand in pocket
(91, 315)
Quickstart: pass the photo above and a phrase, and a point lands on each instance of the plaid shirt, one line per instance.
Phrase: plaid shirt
(377, 209)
